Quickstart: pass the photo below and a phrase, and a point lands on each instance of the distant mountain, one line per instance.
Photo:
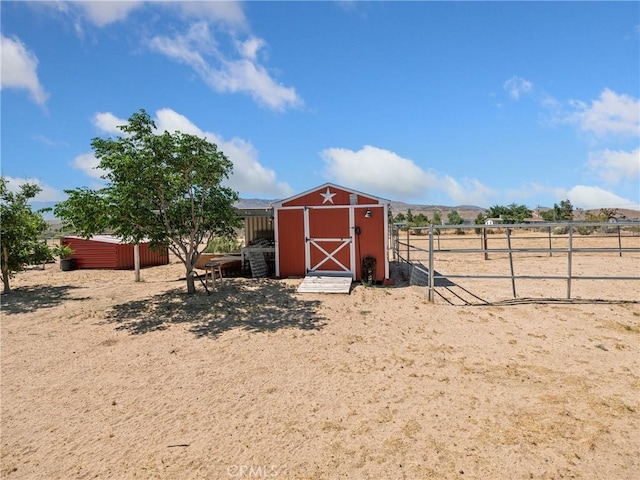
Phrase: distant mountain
(468, 212)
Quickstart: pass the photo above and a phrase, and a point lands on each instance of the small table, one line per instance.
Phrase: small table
(213, 269)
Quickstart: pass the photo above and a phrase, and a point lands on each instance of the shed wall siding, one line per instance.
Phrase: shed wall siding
(150, 257)
(371, 241)
(91, 254)
(291, 242)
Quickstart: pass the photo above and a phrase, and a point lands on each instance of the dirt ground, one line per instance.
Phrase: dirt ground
(106, 378)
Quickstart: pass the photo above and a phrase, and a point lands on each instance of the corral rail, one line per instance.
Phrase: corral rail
(553, 252)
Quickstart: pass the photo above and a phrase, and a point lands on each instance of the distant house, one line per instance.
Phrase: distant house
(534, 220)
(493, 221)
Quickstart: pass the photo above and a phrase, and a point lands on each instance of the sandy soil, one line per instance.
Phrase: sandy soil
(105, 378)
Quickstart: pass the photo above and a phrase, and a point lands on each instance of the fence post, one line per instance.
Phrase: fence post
(550, 250)
(431, 276)
(136, 261)
(513, 278)
(619, 241)
(484, 243)
(569, 253)
(408, 259)
(394, 242)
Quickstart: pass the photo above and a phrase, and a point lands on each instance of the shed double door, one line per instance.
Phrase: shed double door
(329, 247)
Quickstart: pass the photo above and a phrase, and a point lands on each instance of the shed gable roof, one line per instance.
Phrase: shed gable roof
(326, 193)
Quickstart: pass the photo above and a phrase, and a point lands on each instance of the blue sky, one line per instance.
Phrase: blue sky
(449, 103)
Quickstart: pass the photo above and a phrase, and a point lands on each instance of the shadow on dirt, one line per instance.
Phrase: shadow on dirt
(32, 299)
(252, 305)
(559, 301)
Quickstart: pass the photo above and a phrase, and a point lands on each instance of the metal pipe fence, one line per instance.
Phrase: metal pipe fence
(425, 245)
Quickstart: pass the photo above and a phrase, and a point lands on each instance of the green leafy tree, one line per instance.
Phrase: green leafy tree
(479, 220)
(518, 213)
(436, 220)
(164, 187)
(420, 220)
(409, 216)
(497, 211)
(559, 213)
(549, 215)
(21, 229)
(454, 218)
(399, 218)
(509, 214)
(565, 210)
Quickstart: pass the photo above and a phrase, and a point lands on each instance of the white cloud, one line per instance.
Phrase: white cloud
(249, 48)
(612, 167)
(48, 141)
(229, 12)
(517, 86)
(378, 170)
(612, 113)
(48, 194)
(249, 177)
(238, 71)
(19, 67)
(244, 75)
(88, 163)
(241, 73)
(589, 197)
(102, 13)
(108, 122)
(187, 48)
(388, 174)
(468, 191)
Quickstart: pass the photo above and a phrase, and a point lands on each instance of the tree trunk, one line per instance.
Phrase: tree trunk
(5, 281)
(5, 270)
(191, 284)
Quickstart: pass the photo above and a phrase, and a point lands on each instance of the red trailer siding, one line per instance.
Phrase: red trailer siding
(103, 252)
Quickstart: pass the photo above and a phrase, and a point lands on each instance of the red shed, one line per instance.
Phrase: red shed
(103, 251)
(331, 230)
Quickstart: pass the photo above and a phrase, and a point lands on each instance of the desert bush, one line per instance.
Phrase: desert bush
(223, 245)
(586, 230)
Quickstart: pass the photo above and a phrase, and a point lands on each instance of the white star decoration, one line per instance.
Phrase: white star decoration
(327, 196)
